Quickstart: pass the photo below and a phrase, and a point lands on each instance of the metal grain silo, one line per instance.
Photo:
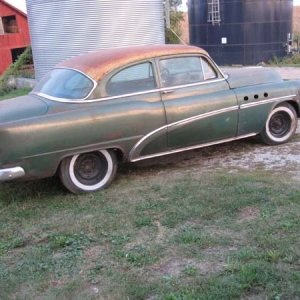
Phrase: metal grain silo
(61, 29)
(241, 31)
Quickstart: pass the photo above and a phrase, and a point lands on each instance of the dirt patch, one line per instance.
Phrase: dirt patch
(96, 251)
(161, 232)
(248, 213)
(175, 266)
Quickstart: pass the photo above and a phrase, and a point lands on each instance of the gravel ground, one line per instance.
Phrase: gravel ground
(290, 73)
(233, 157)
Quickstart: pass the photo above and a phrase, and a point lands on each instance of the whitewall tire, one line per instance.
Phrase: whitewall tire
(88, 172)
(280, 125)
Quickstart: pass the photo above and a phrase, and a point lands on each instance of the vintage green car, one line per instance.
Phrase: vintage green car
(92, 112)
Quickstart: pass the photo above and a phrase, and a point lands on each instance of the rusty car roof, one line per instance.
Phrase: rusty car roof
(100, 63)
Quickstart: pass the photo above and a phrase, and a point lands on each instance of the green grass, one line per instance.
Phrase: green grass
(156, 233)
(289, 60)
(15, 93)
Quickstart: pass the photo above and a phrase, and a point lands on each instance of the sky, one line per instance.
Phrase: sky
(20, 4)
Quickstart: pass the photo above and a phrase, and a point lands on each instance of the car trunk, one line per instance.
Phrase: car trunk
(22, 108)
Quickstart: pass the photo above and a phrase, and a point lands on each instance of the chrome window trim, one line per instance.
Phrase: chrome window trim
(64, 99)
(131, 94)
(201, 62)
(193, 147)
(215, 65)
(209, 78)
(262, 102)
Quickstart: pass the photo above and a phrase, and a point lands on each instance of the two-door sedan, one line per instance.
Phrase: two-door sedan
(94, 111)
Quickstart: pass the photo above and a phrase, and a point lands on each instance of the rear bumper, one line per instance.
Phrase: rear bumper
(11, 173)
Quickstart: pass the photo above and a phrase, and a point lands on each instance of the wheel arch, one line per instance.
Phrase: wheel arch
(281, 124)
(294, 104)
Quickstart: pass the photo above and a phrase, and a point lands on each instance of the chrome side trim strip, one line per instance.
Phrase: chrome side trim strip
(11, 173)
(85, 148)
(262, 102)
(194, 147)
(129, 95)
(203, 116)
(182, 122)
(146, 137)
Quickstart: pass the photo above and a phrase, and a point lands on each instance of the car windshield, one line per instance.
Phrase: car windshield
(65, 84)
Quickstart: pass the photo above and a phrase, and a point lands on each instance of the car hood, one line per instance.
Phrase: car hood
(22, 108)
(251, 76)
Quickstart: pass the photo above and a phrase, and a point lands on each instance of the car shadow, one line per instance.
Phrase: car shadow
(39, 190)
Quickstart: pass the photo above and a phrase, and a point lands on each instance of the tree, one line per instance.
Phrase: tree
(174, 33)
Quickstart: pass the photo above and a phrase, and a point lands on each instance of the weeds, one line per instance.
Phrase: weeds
(293, 59)
(16, 69)
(15, 93)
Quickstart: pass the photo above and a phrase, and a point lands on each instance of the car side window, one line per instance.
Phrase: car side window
(208, 70)
(132, 79)
(180, 71)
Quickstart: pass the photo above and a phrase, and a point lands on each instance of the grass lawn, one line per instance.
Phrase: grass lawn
(16, 93)
(156, 233)
(168, 230)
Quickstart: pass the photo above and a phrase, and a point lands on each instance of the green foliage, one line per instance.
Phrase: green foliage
(15, 93)
(190, 271)
(173, 35)
(293, 59)
(14, 70)
(138, 256)
(297, 39)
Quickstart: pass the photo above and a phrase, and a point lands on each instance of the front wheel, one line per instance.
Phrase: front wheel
(280, 125)
(88, 172)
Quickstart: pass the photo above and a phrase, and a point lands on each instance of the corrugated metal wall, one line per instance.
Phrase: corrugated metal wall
(61, 29)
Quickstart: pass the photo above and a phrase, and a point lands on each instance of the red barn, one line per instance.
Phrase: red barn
(14, 34)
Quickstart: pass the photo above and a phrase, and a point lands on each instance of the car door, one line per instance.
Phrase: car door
(138, 109)
(200, 107)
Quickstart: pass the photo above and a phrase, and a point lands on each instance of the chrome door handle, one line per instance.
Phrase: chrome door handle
(168, 91)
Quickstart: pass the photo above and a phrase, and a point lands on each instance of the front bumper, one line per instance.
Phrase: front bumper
(11, 173)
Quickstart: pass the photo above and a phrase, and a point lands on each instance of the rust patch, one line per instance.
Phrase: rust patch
(114, 136)
(100, 63)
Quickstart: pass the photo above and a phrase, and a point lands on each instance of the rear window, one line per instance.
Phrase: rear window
(65, 84)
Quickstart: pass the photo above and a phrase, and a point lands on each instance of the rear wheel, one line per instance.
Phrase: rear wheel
(88, 172)
(280, 125)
